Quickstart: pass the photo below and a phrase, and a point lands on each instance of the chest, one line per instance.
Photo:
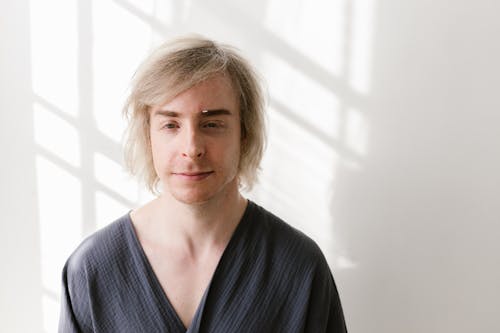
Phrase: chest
(183, 280)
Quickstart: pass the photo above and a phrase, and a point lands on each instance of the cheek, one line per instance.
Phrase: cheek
(159, 152)
(155, 143)
(233, 156)
(154, 155)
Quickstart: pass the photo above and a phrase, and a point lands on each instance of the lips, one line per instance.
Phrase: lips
(193, 175)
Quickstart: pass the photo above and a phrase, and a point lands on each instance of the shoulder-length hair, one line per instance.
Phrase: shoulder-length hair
(175, 67)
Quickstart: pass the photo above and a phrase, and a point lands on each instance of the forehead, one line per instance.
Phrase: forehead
(216, 92)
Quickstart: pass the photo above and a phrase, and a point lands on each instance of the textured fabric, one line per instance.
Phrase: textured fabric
(270, 278)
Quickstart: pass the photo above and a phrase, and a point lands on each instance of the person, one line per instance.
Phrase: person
(199, 257)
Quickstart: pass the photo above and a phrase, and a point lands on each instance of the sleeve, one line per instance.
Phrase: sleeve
(325, 312)
(67, 318)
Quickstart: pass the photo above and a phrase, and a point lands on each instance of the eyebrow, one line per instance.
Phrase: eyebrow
(204, 113)
(215, 112)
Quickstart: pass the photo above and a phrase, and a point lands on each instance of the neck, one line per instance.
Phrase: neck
(197, 227)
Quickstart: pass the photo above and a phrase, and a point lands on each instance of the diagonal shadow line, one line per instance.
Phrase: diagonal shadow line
(79, 174)
(54, 109)
(97, 140)
(113, 194)
(151, 20)
(72, 170)
(270, 41)
(312, 130)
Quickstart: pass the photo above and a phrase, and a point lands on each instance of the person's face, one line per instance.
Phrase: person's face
(195, 141)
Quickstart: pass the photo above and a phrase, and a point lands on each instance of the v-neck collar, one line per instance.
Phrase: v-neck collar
(153, 282)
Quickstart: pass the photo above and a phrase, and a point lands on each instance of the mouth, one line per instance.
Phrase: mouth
(193, 176)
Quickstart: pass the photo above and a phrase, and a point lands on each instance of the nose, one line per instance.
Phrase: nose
(193, 145)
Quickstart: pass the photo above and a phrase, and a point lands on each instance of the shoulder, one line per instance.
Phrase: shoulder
(92, 273)
(285, 241)
(98, 249)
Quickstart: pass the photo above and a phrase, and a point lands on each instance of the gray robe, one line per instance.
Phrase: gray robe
(270, 278)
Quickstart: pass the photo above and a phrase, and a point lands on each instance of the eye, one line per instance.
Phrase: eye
(170, 126)
(213, 125)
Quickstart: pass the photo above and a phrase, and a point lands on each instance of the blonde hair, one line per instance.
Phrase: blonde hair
(175, 67)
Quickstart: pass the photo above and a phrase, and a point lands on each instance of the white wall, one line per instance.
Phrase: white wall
(384, 143)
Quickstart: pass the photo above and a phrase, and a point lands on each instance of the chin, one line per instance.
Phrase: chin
(192, 197)
(195, 195)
